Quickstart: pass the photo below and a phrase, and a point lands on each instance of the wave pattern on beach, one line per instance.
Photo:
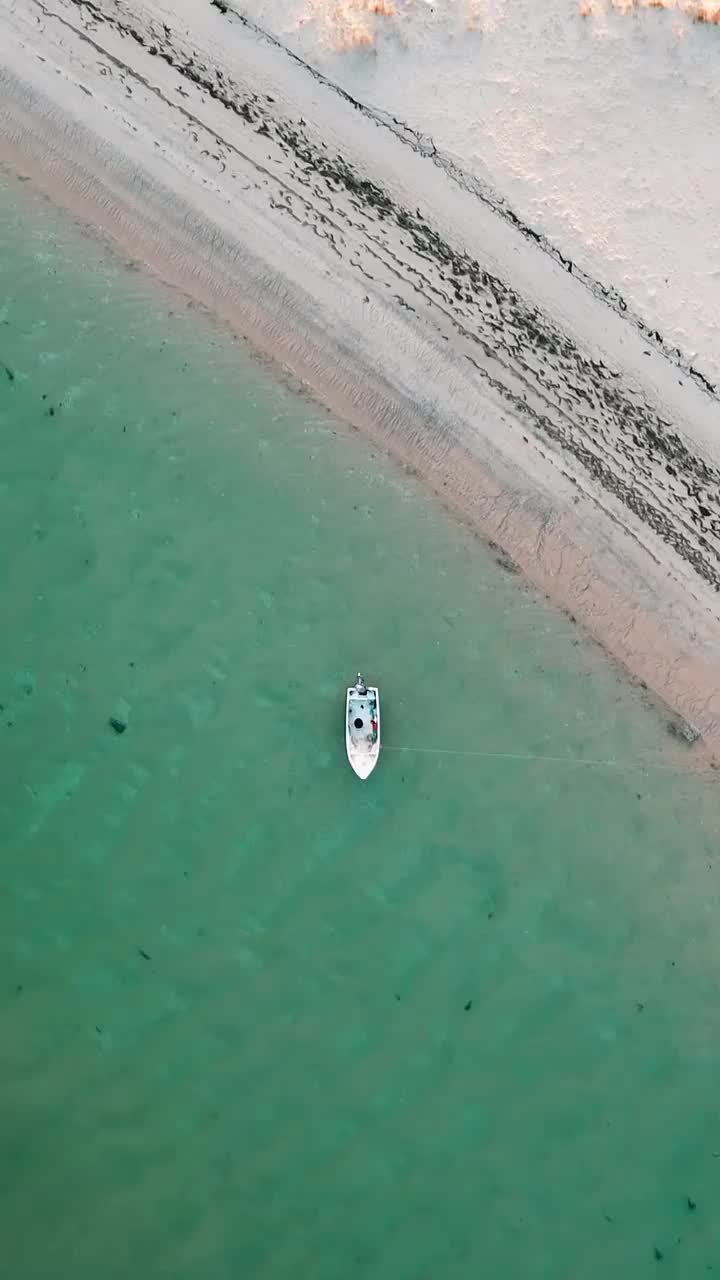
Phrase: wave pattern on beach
(564, 396)
(403, 293)
(427, 146)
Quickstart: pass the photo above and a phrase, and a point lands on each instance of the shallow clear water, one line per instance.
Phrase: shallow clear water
(258, 1018)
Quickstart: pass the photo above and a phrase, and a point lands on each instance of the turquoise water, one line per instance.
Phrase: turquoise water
(260, 1019)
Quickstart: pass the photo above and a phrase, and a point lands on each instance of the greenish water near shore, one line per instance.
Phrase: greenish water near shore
(260, 1019)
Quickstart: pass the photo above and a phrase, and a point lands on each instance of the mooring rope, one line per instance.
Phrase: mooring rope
(530, 758)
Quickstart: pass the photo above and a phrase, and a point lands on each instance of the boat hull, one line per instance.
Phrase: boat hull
(362, 730)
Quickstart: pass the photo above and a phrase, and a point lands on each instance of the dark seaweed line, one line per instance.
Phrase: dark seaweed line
(574, 441)
(666, 442)
(490, 344)
(674, 524)
(424, 145)
(525, 317)
(613, 484)
(583, 424)
(152, 88)
(518, 314)
(628, 418)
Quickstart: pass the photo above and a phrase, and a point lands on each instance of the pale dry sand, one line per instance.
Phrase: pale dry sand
(602, 132)
(400, 298)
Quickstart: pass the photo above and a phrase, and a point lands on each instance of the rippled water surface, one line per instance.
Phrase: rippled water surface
(261, 1019)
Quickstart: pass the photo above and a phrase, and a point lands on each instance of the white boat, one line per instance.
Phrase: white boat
(362, 727)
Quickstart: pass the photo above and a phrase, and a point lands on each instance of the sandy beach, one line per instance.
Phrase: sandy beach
(401, 297)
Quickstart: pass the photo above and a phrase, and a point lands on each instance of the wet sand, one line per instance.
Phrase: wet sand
(405, 300)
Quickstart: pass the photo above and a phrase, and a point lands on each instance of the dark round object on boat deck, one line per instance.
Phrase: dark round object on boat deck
(358, 724)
